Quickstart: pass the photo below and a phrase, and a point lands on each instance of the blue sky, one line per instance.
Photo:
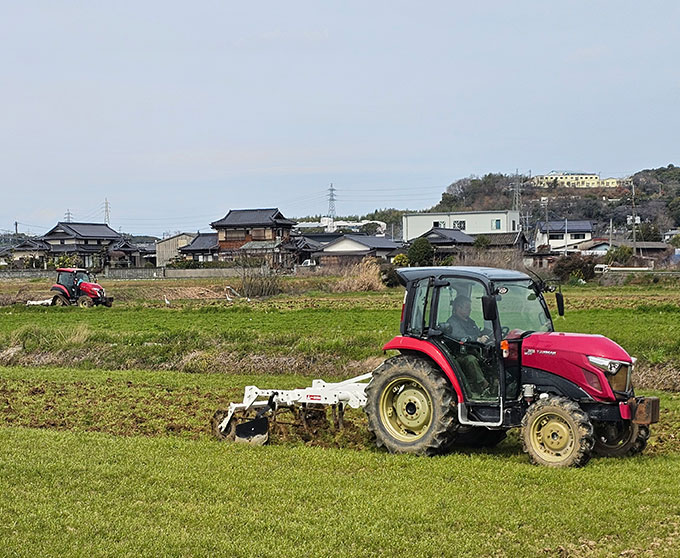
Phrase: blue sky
(177, 112)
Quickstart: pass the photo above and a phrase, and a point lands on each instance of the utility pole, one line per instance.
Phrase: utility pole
(107, 211)
(547, 224)
(634, 223)
(611, 225)
(16, 228)
(566, 226)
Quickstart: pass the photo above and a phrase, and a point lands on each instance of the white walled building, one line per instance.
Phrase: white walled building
(470, 222)
(553, 233)
(571, 179)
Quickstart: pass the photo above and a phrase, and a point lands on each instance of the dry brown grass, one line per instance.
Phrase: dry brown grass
(665, 377)
(362, 277)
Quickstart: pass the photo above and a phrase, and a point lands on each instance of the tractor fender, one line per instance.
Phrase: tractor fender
(413, 345)
(61, 289)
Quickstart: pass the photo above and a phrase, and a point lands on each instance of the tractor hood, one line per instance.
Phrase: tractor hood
(90, 288)
(566, 354)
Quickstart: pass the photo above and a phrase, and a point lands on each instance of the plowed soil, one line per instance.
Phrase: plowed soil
(142, 409)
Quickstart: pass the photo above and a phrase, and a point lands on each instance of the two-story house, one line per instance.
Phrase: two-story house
(470, 222)
(562, 235)
(254, 232)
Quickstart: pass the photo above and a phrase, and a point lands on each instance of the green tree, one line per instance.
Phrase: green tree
(369, 228)
(482, 242)
(575, 266)
(401, 260)
(621, 255)
(648, 232)
(421, 252)
(675, 241)
(68, 260)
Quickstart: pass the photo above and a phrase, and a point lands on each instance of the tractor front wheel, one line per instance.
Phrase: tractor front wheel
(410, 406)
(85, 302)
(618, 439)
(557, 433)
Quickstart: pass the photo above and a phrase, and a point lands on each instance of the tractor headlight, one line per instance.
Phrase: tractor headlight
(619, 372)
(607, 365)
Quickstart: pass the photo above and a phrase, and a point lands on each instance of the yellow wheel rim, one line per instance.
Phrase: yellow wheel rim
(552, 437)
(406, 409)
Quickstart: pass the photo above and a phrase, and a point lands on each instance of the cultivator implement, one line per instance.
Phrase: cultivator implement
(249, 420)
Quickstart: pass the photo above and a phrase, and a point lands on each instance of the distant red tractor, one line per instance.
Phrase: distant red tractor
(77, 286)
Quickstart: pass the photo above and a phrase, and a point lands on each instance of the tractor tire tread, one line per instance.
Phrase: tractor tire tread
(434, 442)
(586, 436)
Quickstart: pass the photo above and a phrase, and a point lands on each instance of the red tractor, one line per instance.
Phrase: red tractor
(479, 356)
(77, 286)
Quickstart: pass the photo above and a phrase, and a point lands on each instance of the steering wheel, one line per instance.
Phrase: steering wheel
(504, 332)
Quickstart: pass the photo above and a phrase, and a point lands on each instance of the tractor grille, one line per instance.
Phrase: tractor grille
(621, 380)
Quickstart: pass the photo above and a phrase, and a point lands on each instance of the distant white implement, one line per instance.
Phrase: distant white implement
(46, 302)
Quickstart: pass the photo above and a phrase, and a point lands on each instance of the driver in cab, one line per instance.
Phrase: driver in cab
(463, 328)
(461, 325)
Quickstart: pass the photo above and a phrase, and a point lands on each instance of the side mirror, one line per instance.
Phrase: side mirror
(489, 308)
(559, 298)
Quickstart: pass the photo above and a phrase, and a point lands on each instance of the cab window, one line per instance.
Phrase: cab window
(420, 308)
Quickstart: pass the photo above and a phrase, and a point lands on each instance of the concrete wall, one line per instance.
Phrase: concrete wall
(197, 273)
(127, 273)
(27, 274)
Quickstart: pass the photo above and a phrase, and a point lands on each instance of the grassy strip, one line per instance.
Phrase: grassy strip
(324, 332)
(84, 494)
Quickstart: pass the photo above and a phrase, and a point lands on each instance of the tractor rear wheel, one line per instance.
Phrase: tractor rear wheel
(85, 302)
(60, 300)
(618, 439)
(556, 432)
(410, 406)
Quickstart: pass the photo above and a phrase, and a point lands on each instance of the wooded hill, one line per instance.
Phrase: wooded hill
(657, 200)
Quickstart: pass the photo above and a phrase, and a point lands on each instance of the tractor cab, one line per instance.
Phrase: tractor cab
(476, 318)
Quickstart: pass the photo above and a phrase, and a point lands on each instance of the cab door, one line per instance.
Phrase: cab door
(468, 341)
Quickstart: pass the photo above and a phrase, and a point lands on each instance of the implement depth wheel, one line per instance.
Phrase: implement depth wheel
(409, 406)
(557, 433)
(619, 439)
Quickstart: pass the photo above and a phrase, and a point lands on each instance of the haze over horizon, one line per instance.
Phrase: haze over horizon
(176, 114)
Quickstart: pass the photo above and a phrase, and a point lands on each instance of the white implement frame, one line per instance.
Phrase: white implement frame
(348, 392)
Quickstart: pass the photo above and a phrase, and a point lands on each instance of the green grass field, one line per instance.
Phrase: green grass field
(106, 449)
